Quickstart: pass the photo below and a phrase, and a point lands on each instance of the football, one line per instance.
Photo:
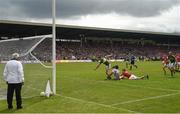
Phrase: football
(42, 94)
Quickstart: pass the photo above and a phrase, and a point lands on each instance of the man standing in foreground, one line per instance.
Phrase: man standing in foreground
(14, 77)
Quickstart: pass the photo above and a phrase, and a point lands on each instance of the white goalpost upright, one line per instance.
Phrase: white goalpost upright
(54, 46)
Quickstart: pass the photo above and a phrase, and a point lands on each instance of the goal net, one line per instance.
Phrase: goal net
(36, 56)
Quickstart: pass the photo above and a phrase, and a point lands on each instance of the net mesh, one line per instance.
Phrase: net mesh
(35, 55)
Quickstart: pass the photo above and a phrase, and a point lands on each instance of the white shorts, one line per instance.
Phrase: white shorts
(133, 77)
(108, 67)
(171, 65)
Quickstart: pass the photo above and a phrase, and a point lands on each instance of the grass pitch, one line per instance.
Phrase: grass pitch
(83, 90)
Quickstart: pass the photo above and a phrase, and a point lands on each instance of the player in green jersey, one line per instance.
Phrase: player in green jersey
(107, 64)
(172, 63)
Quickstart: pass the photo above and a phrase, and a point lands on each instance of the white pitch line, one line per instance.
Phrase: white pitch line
(90, 102)
(81, 100)
(149, 98)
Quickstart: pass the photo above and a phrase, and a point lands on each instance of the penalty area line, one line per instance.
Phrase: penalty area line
(144, 99)
(95, 103)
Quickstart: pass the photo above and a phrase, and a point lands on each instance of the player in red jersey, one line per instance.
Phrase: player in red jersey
(178, 62)
(165, 63)
(126, 74)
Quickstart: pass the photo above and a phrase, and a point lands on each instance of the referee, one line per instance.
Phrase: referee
(14, 77)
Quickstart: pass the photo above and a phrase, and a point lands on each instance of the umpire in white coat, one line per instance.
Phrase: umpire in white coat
(14, 77)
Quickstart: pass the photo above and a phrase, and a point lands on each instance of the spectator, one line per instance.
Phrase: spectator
(14, 77)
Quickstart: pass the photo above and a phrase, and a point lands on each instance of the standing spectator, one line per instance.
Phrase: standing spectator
(14, 77)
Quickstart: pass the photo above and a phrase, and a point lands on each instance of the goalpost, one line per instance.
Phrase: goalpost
(33, 51)
(30, 49)
(54, 44)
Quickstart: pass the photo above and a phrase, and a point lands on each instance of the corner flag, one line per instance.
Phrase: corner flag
(48, 89)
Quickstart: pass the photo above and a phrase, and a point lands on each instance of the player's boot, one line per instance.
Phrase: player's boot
(147, 77)
(108, 78)
(136, 66)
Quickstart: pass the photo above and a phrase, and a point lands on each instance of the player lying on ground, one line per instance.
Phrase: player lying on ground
(126, 74)
(107, 64)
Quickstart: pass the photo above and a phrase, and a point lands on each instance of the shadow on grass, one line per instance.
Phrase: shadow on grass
(7, 111)
(26, 103)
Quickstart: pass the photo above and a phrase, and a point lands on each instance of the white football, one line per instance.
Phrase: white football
(42, 94)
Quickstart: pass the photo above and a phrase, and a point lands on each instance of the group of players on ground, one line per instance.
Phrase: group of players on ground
(170, 62)
(115, 69)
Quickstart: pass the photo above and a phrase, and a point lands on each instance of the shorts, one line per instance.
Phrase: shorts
(108, 67)
(171, 65)
(132, 62)
(165, 65)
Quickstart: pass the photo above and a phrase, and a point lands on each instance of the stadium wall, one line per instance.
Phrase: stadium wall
(68, 61)
(85, 61)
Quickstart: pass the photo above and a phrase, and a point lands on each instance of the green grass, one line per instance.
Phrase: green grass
(83, 90)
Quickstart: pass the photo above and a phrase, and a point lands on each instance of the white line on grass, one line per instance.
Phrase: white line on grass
(81, 100)
(90, 102)
(149, 98)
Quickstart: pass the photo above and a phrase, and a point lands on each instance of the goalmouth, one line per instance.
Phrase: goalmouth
(34, 49)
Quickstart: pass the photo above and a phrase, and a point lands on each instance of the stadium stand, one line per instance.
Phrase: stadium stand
(93, 42)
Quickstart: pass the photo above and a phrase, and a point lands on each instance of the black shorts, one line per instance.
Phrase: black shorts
(132, 62)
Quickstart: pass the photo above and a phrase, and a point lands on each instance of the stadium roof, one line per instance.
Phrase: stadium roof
(21, 29)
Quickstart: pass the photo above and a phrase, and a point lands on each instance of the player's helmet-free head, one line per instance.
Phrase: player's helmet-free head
(15, 56)
(99, 57)
(116, 67)
(170, 52)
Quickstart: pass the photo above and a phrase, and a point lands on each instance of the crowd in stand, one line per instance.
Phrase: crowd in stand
(91, 49)
(74, 50)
